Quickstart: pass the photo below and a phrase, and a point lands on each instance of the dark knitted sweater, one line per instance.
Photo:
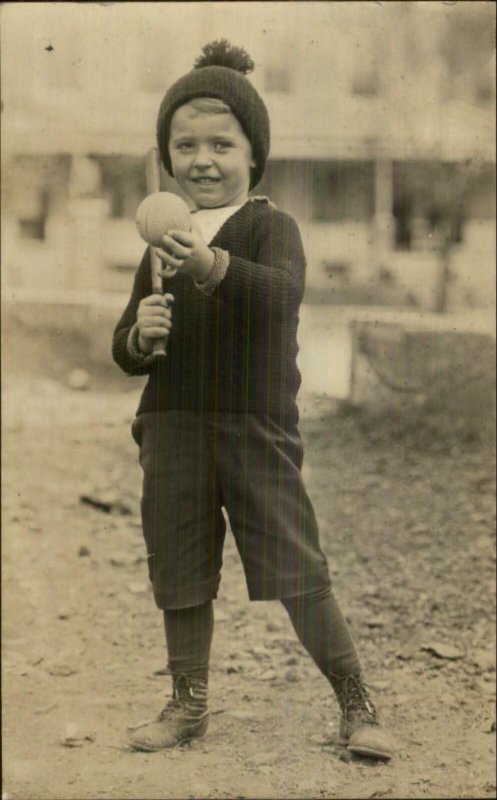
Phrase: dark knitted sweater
(235, 350)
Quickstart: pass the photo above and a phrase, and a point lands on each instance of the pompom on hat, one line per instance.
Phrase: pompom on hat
(220, 72)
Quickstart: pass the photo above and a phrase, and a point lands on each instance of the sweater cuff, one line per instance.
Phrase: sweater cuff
(217, 273)
(133, 347)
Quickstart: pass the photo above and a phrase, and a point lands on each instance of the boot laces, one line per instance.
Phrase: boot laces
(356, 702)
(172, 709)
(189, 700)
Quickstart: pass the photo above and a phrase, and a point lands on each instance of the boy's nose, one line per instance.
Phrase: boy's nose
(202, 157)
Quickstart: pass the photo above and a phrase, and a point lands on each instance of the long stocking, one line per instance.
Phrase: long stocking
(323, 630)
(188, 636)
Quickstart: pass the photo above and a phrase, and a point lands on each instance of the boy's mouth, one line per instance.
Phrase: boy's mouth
(205, 181)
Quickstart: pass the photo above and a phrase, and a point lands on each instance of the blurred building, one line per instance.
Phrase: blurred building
(383, 138)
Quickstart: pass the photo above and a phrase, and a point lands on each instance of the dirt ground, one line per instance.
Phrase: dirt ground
(409, 532)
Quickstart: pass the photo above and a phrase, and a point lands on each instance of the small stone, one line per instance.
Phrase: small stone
(108, 503)
(410, 648)
(273, 627)
(83, 551)
(484, 659)
(292, 676)
(73, 736)
(268, 675)
(163, 671)
(375, 622)
(122, 559)
(71, 730)
(137, 588)
(78, 379)
(259, 652)
(45, 709)
(442, 650)
(62, 670)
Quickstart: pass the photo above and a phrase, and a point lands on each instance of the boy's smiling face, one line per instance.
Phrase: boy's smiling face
(210, 156)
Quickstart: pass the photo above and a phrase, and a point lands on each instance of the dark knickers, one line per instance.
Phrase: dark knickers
(193, 465)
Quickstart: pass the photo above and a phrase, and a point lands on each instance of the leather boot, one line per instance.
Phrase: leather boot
(359, 726)
(185, 717)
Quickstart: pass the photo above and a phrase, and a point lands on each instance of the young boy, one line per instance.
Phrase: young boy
(217, 421)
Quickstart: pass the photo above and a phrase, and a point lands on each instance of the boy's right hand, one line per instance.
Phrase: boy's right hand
(153, 319)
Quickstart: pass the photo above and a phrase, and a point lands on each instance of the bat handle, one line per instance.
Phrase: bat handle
(153, 185)
(160, 345)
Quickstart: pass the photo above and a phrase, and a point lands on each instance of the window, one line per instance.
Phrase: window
(33, 189)
(123, 182)
(288, 183)
(343, 190)
(430, 201)
(33, 227)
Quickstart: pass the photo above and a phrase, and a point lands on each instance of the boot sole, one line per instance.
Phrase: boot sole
(370, 752)
(144, 748)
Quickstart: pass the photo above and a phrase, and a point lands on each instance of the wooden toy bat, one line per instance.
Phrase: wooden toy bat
(156, 214)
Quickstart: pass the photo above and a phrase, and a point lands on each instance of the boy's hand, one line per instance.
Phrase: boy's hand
(153, 319)
(186, 250)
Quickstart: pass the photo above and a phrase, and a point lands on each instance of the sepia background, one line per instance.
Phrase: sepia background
(383, 149)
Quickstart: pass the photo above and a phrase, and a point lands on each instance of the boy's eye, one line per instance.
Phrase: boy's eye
(222, 145)
(184, 146)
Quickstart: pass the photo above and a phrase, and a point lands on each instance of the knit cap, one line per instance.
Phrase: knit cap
(220, 72)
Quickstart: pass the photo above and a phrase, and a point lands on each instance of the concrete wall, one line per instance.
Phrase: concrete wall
(445, 376)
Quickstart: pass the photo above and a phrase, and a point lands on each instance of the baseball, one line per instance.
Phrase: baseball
(159, 213)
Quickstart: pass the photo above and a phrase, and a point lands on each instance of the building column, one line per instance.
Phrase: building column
(383, 220)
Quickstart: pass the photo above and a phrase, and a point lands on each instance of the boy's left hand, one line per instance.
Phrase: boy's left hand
(186, 250)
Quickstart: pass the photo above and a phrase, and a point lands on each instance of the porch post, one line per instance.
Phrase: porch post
(383, 220)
